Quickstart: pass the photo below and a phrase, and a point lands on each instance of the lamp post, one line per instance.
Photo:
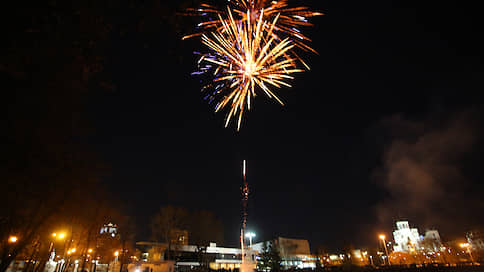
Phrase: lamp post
(58, 236)
(116, 254)
(382, 238)
(250, 235)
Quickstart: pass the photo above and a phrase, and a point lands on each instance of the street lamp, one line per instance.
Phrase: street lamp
(250, 235)
(468, 247)
(382, 238)
(12, 239)
(116, 254)
(59, 236)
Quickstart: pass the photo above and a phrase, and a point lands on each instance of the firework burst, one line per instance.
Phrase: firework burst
(290, 19)
(246, 55)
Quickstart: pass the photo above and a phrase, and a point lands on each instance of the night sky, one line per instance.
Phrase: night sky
(386, 125)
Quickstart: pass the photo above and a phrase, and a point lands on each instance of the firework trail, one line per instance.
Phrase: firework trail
(245, 201)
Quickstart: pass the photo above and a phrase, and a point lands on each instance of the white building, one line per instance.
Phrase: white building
(476, 240)
(431, 241)
(188, 257)
(110, 228)
(294, 252)
(406, 238)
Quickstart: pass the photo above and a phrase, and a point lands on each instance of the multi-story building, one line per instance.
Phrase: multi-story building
(110, 228)
(476, 240)
(431, 241)
(406, 238)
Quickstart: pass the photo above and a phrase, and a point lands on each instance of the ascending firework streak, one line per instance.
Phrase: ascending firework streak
(245, 199)
(244, 56)
(245, 196)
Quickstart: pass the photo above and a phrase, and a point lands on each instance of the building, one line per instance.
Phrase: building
(187, 257)
(476, 240)
(151, 251)
(179, 237)
(294, 253)
(165, 266)
(228, 258)
(109, 229)
(359, 257)
(406, 238)
(431, 241)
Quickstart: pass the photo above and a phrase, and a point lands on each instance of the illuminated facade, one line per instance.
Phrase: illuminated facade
(179, 237)
(188, 256)
(406, 238)
(294, 252)
(476, 240)
(431, 241)
(110, 228)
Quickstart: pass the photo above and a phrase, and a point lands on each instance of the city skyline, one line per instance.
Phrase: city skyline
(386, 125)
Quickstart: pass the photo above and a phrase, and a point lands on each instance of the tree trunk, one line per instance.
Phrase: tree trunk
(30, 260)
(168, 256)
(88, 242)
(10, 255)
(42, 264)
(3, 266)
(121, 260)
(6, 262)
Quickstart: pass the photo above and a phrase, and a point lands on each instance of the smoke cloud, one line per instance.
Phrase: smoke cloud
(428, 173)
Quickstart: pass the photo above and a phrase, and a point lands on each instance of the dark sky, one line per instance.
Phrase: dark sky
(395, 83)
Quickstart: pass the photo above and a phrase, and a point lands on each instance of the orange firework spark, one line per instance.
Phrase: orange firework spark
(290, 19)
(245, 55)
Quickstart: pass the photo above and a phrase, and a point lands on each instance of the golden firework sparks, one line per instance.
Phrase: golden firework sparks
(290, 19)
(247, 55)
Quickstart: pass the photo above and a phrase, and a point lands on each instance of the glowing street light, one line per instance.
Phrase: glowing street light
(12, 239)
(89, 250)
(382, 238)
(116, 253)
(59, 236)
(250, 235)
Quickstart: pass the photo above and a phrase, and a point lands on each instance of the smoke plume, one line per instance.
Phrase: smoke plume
(428, 173)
